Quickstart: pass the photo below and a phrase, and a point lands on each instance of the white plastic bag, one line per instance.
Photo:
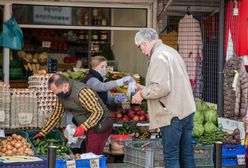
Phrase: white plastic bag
(131, 89)
(73, 142)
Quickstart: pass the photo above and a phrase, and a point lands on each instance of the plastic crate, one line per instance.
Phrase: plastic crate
(83, 163)
(203, 155)
(150, 156)
(230, 152)
(55, 134)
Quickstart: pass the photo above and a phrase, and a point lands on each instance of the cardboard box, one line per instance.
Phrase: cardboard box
(229, 125)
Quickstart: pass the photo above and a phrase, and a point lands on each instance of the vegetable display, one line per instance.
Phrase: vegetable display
(41, 146)
(205, 119)
(15, 145)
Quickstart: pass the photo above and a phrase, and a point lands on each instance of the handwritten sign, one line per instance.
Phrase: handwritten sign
(25, 118)
(52, 15)
(70, 164)
(2, 116)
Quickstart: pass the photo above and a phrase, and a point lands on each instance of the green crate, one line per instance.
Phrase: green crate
(203, 156)
(54, 134)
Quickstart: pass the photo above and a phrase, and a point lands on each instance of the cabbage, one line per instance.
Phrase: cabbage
(209, 127)
(201, 105)
(198, 130)
(199, 117)
(211, 116)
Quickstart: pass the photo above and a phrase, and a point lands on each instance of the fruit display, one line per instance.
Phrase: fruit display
(32, 62)
(134, 114)
(140, 132)
(15, 145)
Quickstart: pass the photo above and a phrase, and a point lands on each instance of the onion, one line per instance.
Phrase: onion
(9, 153)
(19, 137)
(18, 145)
(14, 136)
(9, 147)
(3, 150)
(13, 142)
(9, 138)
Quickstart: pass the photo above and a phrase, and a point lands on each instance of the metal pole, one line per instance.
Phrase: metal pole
(6, 51)
(52, 156)
(221, 57)
(218, 154)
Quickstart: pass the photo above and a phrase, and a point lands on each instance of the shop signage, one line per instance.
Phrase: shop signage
(52, 15)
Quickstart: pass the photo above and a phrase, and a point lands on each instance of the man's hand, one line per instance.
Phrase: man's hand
(137, 98)
(80, 131)
(39, 135)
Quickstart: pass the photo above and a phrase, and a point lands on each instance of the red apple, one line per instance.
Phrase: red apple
(130, 113)
(142, 112)
(137, 108)
(135, 118)
(142, 118)
(125, 118)
(119, 116)
(124, 111)
(147, 116)
(113, 115)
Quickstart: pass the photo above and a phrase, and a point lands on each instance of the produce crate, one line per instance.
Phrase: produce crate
(203, 155)
(230, 152)
(84, 163)
(55, 134)
(148, 156)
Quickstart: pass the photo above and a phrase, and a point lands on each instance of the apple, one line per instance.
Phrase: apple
(130, 113)
(147, 116)
(137, 108)
(119, 116)
(125, 118)
(135, 118)
(124, 111)
(138, 112)
(142, 118)
(113, 115)
(142, 112)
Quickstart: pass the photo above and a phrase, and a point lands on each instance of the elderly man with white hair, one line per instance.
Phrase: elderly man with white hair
(169, 97)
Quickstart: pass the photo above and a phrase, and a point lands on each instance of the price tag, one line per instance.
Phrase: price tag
(241, 159)
(143, 124)
(46, 44)
(2, 116)
(2, 134)
(25, 118)
(70, 164)
(117, 125)
(94, 163)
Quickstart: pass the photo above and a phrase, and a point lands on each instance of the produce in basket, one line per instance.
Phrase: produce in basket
(15, 145)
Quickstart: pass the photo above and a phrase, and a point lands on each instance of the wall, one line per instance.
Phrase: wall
(130, 58)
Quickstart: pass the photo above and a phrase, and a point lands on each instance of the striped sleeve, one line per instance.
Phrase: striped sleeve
(54, 118)
(91, 103)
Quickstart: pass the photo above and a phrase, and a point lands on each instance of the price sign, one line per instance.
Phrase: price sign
(94, 163)
(25, 118)
(46, 44)
(70, 164)
(2, 134)
(241, 159)
(2, 116)
(117, 125)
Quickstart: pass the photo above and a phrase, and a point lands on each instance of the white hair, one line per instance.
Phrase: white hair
(145, 35)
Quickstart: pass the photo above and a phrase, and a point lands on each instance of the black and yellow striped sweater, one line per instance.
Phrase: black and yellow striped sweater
(83, 102)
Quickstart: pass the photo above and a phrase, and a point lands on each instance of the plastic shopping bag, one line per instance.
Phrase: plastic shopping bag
(11, 36)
